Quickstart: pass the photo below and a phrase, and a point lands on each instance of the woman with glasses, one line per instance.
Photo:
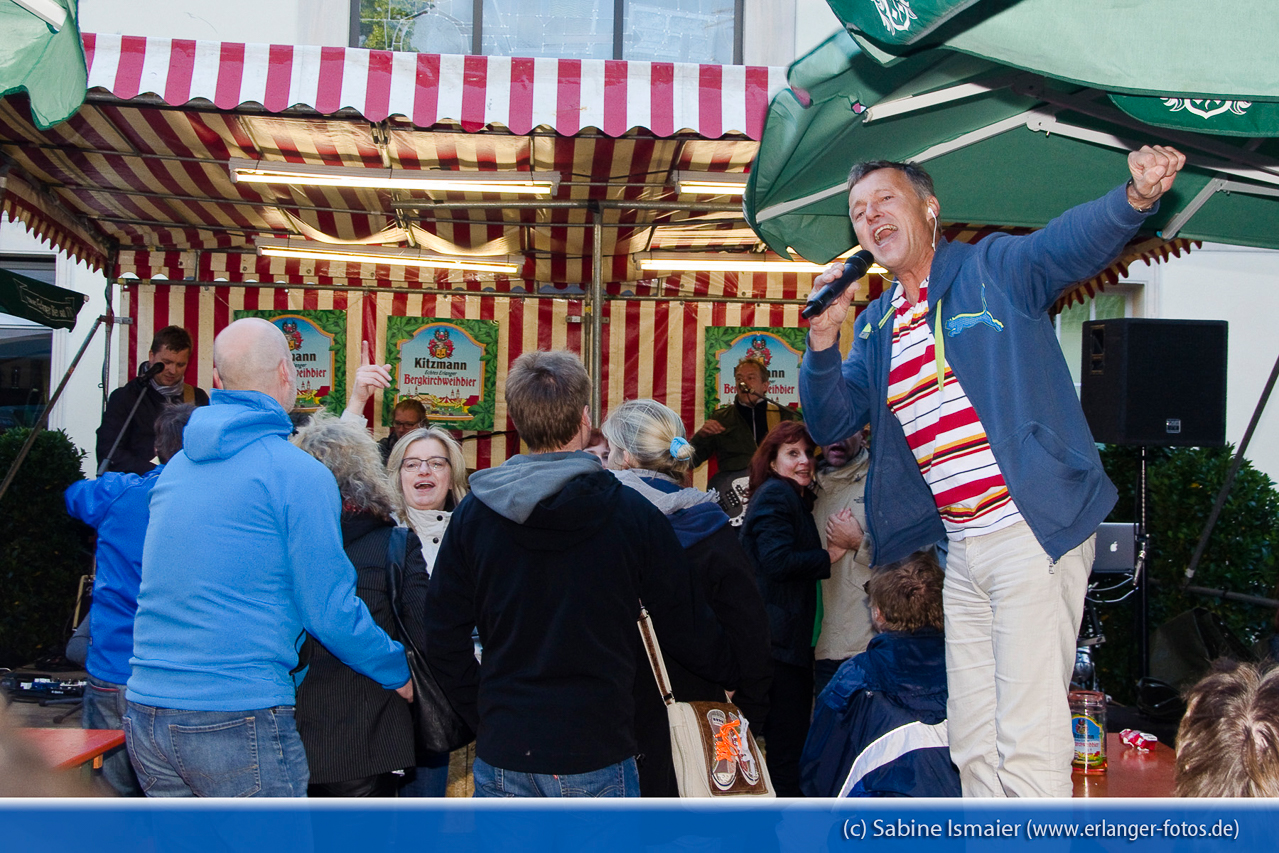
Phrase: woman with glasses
(431, 471)
(428, 465)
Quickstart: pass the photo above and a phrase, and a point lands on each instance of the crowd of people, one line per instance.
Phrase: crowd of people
(257, 590)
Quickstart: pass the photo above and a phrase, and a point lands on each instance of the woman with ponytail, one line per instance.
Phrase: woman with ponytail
(650, 454)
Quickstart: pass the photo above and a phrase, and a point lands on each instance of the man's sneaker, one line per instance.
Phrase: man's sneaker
(746, 760)
(724, 730)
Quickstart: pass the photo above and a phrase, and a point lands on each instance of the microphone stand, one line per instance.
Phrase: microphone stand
(741, 388)
(145, 378)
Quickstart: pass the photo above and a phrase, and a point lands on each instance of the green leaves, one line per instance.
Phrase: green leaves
(45, 550)
(1183, 484)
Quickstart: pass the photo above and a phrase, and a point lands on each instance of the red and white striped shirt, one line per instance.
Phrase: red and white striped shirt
(943, 430)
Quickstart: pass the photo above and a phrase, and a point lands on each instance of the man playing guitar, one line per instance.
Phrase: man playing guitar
(732, 433)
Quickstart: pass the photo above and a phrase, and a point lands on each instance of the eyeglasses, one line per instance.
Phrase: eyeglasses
(406, 424)
(435, 463)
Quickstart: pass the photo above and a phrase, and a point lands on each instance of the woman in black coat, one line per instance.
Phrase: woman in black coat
(357, 734)
(780, 537)
(649, 453)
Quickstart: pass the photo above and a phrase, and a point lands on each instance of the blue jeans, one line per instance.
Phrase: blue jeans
(104, 708)
(428, 779)
(216, 753)
(615, 780)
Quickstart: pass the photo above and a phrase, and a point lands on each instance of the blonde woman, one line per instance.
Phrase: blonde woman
(428, 466)
(650, 454)
(429, 473)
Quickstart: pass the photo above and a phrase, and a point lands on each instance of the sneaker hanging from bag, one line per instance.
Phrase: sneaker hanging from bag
(727, 747)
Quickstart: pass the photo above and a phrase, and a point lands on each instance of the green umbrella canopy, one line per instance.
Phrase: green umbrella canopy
(1183, 48)
(1208, 67)
(38, 302)
(45, 61)
(1004, 146)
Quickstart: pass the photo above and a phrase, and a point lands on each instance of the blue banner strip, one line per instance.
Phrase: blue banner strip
(460, 826)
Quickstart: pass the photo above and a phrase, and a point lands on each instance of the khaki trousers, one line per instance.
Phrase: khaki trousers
(1012, 618)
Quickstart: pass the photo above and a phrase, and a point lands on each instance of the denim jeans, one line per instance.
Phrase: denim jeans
(104, 708)
(216, 753)
(428, 779)
(615, 780)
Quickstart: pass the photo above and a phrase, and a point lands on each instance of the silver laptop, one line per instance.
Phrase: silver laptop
(1116, 548)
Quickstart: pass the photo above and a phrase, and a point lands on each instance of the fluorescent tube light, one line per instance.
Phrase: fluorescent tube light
(301, 174)
(724, 263)
(710, 183)
(357, 254)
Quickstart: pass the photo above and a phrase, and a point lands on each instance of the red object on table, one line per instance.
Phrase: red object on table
(64, 748)
(1130, 773)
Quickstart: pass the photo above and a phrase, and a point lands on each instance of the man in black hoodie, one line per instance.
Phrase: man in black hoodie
(550, 556)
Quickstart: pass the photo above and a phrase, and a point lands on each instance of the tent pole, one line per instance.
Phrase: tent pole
(596, 307)
(44, 415)
(1230, 476)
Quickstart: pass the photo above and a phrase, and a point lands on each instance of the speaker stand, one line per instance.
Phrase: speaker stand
(1141, 606)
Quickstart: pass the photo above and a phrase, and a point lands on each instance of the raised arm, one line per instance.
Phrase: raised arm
(368, 378)
(1076, 245)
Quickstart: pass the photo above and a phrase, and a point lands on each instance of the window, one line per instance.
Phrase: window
(706, 31)
(1113, 303)
(424, 26)
(26, 348)
(680, 31)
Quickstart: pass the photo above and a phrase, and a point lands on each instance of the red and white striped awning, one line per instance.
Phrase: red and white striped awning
(476, 92)
(141, 170)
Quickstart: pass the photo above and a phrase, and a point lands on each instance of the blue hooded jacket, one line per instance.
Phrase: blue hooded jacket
(118, 506)
(990, 300)
(242, 555)
(879, 727)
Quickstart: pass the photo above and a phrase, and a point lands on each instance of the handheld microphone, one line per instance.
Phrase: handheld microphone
(854, 268)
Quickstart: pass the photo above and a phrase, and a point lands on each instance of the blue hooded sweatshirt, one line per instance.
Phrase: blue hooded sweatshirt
(117, 506)
(242, 555)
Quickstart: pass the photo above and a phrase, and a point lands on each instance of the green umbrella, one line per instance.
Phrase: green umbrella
(896, 22)
(1183, 48)
(41, 303)
(1004, 146)
(41, 52)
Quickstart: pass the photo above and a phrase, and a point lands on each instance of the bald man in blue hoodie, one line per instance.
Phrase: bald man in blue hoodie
(243, 556)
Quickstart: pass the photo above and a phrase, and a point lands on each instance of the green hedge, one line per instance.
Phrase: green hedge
(44, 552)
(1182, 486)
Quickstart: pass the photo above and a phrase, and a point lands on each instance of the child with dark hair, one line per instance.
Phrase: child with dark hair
(879, 729)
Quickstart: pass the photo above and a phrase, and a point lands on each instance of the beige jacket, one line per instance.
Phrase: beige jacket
(846, 625)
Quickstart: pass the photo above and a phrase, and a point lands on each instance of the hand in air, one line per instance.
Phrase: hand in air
(368, 377)
(1153, 170)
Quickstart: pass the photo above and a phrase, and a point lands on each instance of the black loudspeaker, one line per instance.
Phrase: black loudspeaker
(1160, 383)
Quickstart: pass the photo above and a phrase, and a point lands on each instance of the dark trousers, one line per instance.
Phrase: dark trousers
(381, 785)
(786, 729)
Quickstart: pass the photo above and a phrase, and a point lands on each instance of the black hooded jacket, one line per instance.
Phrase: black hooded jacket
(550, 557)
